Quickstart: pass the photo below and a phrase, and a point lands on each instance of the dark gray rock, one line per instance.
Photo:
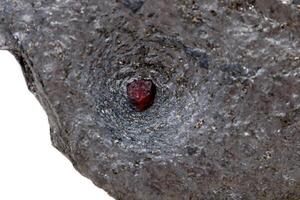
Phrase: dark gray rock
(134, 5)
(225, 123)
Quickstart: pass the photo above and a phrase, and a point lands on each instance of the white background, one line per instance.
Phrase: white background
(30, 168)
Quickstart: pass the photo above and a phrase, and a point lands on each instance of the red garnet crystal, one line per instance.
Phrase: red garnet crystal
(141, 94)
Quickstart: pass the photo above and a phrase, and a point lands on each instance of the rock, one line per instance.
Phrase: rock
(225, 123)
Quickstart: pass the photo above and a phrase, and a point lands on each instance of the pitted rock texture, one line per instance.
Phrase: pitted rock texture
(225, 123)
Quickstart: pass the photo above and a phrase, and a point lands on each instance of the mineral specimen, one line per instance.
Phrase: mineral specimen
(225, 122)
(141, 94)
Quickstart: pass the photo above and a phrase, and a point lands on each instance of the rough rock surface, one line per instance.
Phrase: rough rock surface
(225, 123)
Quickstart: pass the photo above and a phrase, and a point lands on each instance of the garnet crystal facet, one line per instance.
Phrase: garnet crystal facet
(141, 94)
